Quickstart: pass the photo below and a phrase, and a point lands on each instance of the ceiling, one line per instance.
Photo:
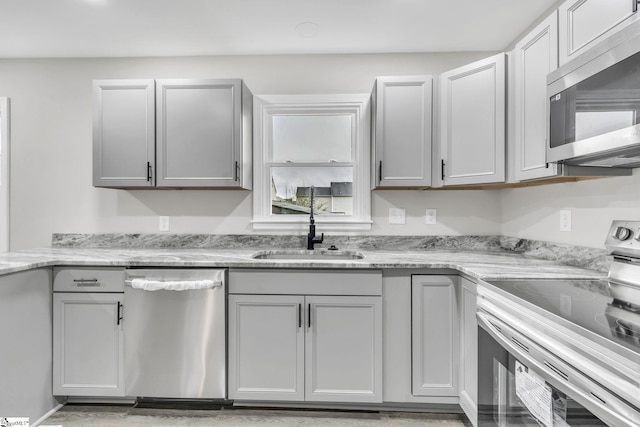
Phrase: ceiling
(120, 28)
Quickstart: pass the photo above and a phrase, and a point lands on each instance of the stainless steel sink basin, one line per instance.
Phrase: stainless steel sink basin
(308, 255)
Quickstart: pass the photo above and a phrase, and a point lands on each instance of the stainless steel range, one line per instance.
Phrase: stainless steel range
(563, 352)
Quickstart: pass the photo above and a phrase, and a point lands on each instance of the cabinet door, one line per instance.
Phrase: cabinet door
(536, 55)
(403, 131)
(469, 353)
(123, 133)
(584, 23)
(266, 347)
(344, 349)
(87, 345)
(472, 123)
(434, 335)
(199, 127)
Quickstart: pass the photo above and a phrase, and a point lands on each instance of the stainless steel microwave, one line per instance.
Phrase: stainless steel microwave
(594, 105)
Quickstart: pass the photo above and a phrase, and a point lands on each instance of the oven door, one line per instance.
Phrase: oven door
(521, 385)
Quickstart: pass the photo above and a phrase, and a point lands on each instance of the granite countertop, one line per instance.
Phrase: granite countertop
(474, 263)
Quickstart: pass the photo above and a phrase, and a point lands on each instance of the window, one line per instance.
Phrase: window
(312, 140)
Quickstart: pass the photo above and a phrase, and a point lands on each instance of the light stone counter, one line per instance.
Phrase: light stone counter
(482, 264)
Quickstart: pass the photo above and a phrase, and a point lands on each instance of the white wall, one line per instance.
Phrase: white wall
(51, 157)
(534, 212)
(51, 140)
(4, 174)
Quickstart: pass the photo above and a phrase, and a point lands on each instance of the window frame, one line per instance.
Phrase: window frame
(267, 106)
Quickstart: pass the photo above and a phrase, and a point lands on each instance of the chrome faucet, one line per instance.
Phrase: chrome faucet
(312, 239)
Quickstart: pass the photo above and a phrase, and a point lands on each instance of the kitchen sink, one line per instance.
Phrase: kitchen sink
(308, 255)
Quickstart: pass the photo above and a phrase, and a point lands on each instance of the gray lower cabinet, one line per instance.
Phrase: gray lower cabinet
(172, 133)
(435, 336)
(343, 349)
(468, 350)
(402, 131)
(313, 348)
(266, 347)
(88, 341)
(25, 334)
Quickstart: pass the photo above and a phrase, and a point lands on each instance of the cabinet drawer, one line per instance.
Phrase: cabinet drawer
(88, 279)
(305, 282)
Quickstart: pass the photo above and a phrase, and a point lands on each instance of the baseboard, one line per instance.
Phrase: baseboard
(47, 415)
(470, 408)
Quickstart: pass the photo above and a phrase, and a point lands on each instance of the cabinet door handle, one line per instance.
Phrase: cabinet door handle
(149, 171)
(86, 282)
(442, 169)
(237, 173)
(634, 8)
(380, 172)
(119, 314)
(299, 315)
(309, 313)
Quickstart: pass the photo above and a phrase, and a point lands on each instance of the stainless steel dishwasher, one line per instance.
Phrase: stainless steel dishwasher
(174, 328)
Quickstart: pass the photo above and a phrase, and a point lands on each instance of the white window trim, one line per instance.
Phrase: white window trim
(264, 108)
(4, 174)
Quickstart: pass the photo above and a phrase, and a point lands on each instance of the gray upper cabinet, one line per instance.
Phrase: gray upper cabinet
(201, 141)
(402, 131)
(584, 23)
(123, 133)
(172, 133)
(536, 55)
(472, 123)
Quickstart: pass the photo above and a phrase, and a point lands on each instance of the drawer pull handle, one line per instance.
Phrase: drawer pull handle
(86, 282)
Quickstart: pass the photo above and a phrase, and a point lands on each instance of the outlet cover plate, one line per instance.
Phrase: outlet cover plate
(430, 217)
(397, 216)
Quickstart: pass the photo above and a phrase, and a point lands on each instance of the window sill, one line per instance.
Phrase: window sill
(300, 224)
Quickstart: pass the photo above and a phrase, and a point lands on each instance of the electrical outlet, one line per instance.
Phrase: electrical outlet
(565, 220)
(397, 216)
(163, 223)
(430, 217)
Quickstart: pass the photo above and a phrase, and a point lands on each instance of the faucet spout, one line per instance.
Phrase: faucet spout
(312, 239)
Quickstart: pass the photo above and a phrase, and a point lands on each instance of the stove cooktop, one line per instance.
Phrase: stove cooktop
(586, 303)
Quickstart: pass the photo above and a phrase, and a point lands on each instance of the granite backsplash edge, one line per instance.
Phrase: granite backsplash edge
(577, 256)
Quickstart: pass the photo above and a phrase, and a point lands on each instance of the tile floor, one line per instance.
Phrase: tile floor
(121, 416)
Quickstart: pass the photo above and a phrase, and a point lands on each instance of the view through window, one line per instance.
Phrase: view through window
(303, 142)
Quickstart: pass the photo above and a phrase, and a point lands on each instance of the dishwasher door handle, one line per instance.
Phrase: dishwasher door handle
(172, 285)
